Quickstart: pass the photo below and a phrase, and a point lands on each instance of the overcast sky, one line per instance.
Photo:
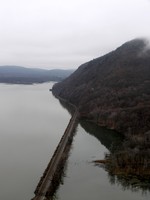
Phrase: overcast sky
(66, 33)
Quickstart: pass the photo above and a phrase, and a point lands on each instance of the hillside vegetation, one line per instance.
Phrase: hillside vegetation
(114, 91)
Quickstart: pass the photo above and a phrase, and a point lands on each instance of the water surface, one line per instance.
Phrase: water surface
(32, 122)
(84, 180)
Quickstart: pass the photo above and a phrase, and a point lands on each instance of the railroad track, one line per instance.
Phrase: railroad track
(47, 179)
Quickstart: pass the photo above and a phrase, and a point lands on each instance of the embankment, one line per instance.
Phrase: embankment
(52, 175)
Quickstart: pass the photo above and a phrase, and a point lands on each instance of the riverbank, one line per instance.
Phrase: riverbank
(131, 158)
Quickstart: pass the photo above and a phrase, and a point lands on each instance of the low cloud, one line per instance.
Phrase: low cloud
(147, 44)
(146, 48)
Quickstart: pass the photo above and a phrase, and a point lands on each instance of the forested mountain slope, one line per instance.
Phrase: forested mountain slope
(113, 90)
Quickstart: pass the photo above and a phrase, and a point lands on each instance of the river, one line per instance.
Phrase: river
(32, 122)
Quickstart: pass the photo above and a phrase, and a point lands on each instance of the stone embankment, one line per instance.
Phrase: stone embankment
(52, 175)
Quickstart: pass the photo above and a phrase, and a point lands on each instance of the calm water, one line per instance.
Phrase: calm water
(32, 122)
(84, 180)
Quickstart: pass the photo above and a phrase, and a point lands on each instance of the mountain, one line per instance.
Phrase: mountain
(113, 90)
(17, 74)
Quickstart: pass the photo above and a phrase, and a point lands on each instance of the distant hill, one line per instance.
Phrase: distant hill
(17, 74)
(113, 90)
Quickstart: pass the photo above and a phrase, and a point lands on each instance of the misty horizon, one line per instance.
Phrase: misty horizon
(45, 34)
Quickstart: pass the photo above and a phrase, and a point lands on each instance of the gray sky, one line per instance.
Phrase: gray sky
(67, 33)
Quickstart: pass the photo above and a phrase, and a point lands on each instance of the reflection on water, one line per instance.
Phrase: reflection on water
(132, 183)
(59, 172)
(109, 138)
(86, 181)
(62, 175)
(67, 106)
(112, 141)
(29, 135)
